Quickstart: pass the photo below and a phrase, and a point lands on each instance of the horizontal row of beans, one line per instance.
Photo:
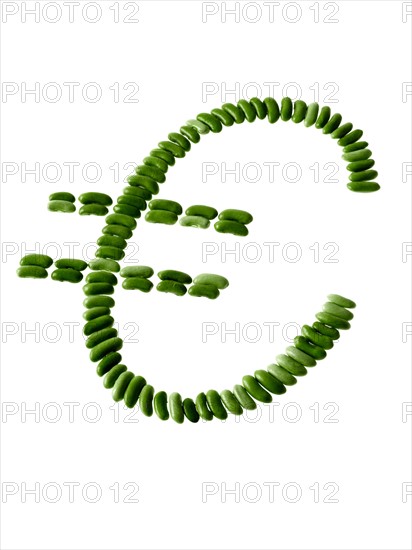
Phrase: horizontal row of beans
(206, 285)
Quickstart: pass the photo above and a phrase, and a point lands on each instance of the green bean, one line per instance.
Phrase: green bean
(215, 404)
(342, 131)
(93, 210)
(62, 196)
(191, 133)
(99, 323)
(173, 148)
(202, 407)
(244, 398)
(311, 114)
(207, 212)
(299, 112)
(317, 338)
(68, 263)
(121, 219)
(132, 201)
(146, 400)
(98, 301)
(61, 206)
(176, 407)
(332, 124)
(95, 198)
(137, 283)
(177, 138)
(127, 210)
(136, 271)
(358, 146)
(156, 162)
(151, 172)
(100, 336)
(237, 114)
(101, 277)
(282, 374)
(259, 107)
(121, 384)
(286, 109)
(313, 350)
(339, 311)
(272, 109)
(194, 221)
(40, 260)
(253, 387)
(103, 264)
(333, 333)
(142, 181)
(110, 253)
(112, 240)
(172, 287)
(363, 186)
(332, 320)
(118, 230)
(32, 272)
(351, 137)
(213, 122)
(360, 165)
(133, 391)
(292, 366)
(200, 127)
(301, 357)
(231, 403)
(204, 291)
(231, 227)
(363, 176)
(161, 216)
(341, 301)
(323, 117)
(163, 204)
(67, 275)
(138, 192)
(354, 156)
(211, 279)
(165, 155)
(91, 289)
(269, 382)
(248, 109)
(110, 379)
(239, 216)
(173, 275)
(95, 312)
(108, 362)
(160, 405)
(106, 347)
(190, 411)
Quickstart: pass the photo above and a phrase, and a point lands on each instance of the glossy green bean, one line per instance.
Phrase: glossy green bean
(40, 260)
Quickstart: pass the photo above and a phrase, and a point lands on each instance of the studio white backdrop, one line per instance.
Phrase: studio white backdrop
(88, 89)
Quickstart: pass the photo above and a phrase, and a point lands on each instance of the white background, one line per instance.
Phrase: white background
(172, 470)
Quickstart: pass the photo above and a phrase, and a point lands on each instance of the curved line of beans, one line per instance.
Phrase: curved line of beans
(308, 348)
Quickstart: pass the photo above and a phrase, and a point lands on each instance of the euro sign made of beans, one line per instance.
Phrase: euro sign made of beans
(103, 340)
